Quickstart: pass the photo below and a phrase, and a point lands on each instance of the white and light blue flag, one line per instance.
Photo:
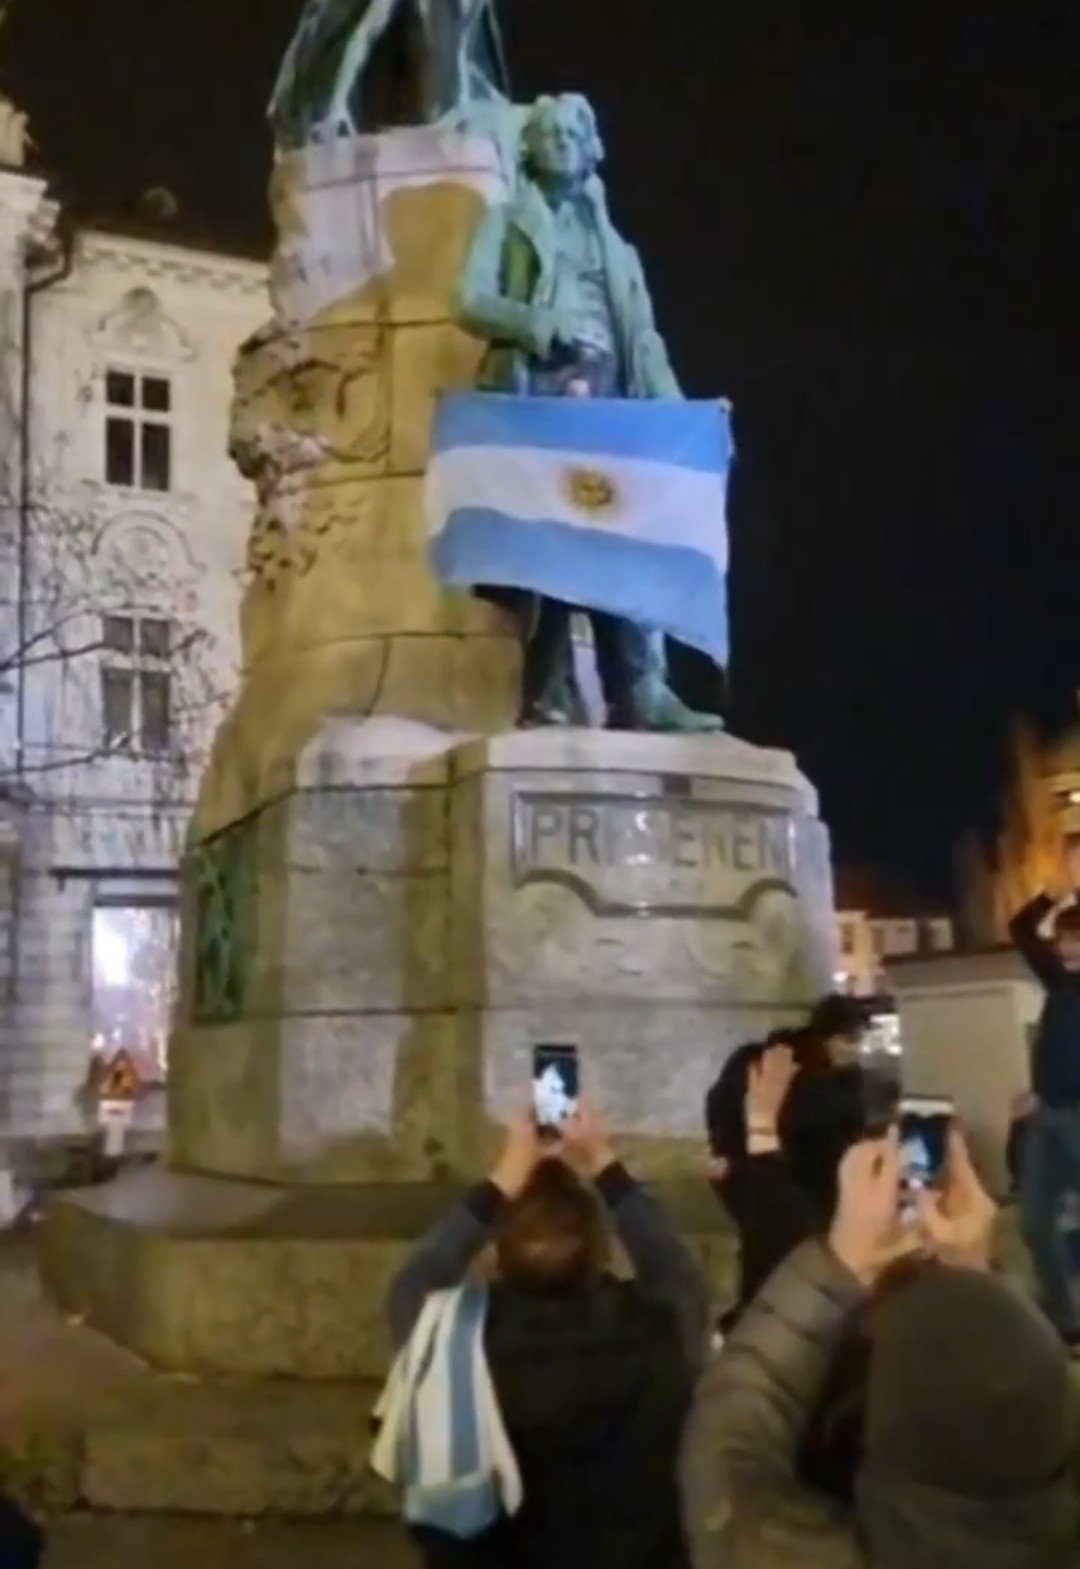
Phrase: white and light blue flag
(614, 504)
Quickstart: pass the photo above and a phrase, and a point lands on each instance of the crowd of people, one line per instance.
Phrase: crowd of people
(874, 1396)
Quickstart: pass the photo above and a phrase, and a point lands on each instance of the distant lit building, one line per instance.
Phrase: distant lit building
(872, 931)
(1040, 806)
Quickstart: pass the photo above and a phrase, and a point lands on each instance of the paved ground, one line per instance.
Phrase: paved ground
(116, 1542)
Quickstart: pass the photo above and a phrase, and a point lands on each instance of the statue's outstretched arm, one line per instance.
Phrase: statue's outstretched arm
(481, 304)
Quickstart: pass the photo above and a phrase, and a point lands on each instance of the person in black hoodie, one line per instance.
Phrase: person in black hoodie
(1047, 933)
(593, 1374)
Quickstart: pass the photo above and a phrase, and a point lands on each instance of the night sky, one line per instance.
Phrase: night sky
(863, 227)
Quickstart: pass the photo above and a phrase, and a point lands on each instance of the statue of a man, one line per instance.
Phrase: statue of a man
(562, 299)
(367, 65)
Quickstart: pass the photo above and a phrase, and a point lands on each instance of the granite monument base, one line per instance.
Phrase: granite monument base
(368, 962)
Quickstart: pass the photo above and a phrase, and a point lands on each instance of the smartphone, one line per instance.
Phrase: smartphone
(925, 1122)
(555, 1085)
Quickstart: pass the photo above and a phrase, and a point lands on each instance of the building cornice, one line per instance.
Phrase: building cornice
(162, 259)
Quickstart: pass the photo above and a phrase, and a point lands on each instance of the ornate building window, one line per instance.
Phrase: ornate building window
(138, 430)
(136, 684)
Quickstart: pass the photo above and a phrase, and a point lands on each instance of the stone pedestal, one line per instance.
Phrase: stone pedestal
(331, 421)
(372, 957)
(389, 895)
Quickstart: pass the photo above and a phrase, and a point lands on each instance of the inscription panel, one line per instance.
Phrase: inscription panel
(653, 855)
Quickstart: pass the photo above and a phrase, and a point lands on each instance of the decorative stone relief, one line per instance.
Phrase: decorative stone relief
(223, 871)
(139, 327)
(300, 401)
(140, 559)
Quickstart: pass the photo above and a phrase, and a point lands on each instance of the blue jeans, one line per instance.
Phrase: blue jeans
(1051, 1171)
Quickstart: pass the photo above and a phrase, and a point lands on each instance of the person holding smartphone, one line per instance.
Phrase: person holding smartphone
(593, 1374)
(1046, 933)
(970, 1414)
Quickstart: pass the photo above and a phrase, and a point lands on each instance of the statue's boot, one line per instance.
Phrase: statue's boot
(654, 706)
(549, 693)
(631, 664)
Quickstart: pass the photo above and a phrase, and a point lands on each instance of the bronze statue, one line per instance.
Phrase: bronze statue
(563, 301)
(368, 65)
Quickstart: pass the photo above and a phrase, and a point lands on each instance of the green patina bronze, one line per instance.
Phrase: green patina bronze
(366, 65)
(223, 870)
(561, 299)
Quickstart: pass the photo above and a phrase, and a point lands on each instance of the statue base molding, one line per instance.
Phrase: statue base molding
(221, 1279)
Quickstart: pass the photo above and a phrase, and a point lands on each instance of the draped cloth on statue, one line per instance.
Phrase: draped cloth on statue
(617, 504)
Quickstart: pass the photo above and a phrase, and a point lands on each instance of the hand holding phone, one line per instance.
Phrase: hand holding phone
(556, 1085)
(959, 1224)
(926, 1122)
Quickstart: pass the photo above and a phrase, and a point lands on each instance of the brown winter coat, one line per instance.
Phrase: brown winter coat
(744, 1503)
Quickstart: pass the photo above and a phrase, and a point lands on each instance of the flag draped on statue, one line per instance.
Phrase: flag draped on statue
(613, 504)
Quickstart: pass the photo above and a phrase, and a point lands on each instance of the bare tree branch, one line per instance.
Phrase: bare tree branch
(54, 654)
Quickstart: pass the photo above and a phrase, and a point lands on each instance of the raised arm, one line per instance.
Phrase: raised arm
(1032, 930)
(443, 1257)
(740, 1482)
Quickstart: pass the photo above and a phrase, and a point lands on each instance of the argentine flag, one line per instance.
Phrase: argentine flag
(614, 504)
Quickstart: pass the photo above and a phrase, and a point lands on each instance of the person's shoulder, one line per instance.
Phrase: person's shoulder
(736, 1065)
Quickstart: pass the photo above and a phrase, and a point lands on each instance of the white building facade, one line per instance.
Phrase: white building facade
(122, 540)
(869, 942)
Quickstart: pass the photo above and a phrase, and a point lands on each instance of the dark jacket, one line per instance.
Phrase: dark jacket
(744, 1504)
(22, 1541)
(1055, 1068)
(771, 1215)
(1014, 1151)
(593, 1388)
(777, 1200)
(725, 1103)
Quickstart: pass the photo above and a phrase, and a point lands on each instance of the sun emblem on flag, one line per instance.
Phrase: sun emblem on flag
(591, 491)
